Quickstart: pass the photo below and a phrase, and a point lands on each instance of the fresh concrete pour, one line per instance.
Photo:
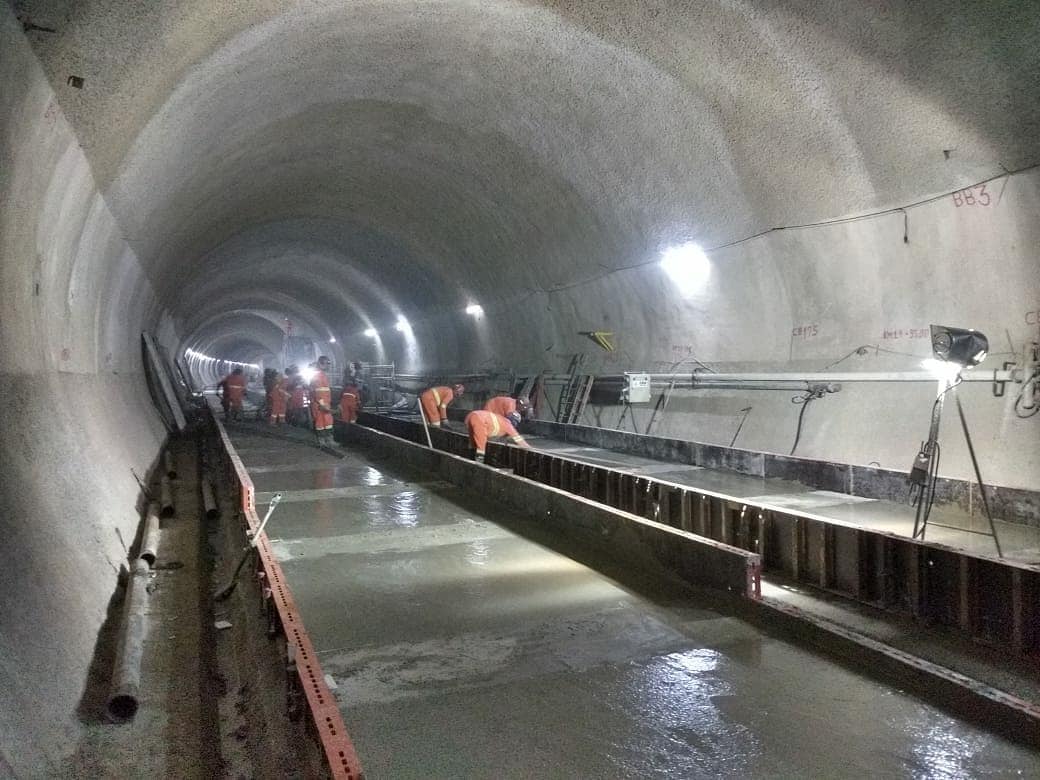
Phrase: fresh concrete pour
(460, 648)
(213, 173)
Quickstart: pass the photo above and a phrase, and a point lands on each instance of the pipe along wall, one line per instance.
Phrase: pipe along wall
(218, 179)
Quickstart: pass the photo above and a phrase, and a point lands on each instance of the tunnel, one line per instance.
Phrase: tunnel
(754, 190)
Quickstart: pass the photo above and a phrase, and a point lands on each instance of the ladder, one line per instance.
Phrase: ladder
(381, 382)
(575, 393)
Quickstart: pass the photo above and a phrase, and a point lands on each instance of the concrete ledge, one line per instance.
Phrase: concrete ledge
(621, 536)
(1013, 505)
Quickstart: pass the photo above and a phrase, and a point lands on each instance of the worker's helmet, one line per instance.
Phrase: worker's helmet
(292, 369)
(459, 389)
(324, 362)
(522, 404)
(514, 418)
(237, 371)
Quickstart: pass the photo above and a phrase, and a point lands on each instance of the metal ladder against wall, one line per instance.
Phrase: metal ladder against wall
(575, 393)
(381, 381)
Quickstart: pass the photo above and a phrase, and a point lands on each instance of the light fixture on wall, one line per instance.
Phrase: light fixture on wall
(332, 339)
(371, 333)
(954, 349)
(687, 266)
(402, 325)
(475, 310)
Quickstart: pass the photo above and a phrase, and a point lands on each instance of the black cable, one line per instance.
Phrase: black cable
(804, 400)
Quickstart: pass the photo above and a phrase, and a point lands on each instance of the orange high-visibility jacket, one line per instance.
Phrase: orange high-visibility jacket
(235, 388)
(435, 403)
(321, 400)
(348, 404)
(484, 425)
(277, 398)
(501, 404)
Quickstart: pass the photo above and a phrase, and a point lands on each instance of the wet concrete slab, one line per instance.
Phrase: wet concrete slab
(462, 648)
(1018, 542)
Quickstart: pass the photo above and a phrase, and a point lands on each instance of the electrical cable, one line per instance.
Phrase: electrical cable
(804, 400)
(1005, 174)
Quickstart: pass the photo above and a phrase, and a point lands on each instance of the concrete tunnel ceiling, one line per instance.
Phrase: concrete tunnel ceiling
(353, 164)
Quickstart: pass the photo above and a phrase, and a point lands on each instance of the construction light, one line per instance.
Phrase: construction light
(371, 333)
(402, 325)
(332, 339)
(941, 369)
(687, 266)
(308, 374)
(475, 310)
(962, 346)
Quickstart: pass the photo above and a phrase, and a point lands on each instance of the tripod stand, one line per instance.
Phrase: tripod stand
(925, 471)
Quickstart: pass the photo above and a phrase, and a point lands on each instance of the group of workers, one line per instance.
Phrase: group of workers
(288, 394)
(497, 420)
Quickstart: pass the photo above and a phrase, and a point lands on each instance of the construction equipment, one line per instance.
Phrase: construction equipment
(379, 382)
(254, 539)
(575, 393)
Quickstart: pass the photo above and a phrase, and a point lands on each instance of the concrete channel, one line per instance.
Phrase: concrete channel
(462, 640)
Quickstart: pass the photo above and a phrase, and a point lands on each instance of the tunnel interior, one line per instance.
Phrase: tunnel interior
(223, 176)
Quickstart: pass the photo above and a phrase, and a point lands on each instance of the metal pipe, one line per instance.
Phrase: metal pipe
(170, 464)
(123, 698)
(736, 379)
(209, 500)
(166, 497)
(150, 537)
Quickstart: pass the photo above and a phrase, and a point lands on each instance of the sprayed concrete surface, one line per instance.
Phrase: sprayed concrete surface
(460, 648)
(1018, 542)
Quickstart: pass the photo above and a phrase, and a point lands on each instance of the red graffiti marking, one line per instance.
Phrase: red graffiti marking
(972, 196)
(905, 333)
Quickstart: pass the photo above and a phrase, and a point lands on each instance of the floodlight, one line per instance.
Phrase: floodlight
(965, 347)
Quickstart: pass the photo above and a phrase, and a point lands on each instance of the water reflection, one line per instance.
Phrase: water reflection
(477, 553)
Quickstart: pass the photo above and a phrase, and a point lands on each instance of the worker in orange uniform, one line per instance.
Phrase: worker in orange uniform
(483, 425)
(233, 388)
(506, 405)
(277, 399)
(349, 403)
(435, 403)
(297, 395)
(321, 403)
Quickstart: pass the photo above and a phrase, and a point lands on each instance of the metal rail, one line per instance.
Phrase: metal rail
(989, 599)
(326, 719)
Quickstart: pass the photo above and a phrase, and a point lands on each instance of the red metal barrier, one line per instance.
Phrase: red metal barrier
(337, 747)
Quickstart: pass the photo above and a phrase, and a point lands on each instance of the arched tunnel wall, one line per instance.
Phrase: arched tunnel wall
(349, 165)
(73, 303)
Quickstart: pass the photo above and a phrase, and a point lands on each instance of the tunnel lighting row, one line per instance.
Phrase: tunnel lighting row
(403, 326)
(196, 355)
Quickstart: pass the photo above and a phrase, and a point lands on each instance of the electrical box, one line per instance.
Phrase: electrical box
(637, 389)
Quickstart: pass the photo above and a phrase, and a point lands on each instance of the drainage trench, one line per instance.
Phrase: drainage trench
(459, 638)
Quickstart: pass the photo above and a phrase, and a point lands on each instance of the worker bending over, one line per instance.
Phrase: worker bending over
(483, 425)
(277, 399)
(435, 403)
(233, 390)
(321, 403)
(349, 403)
(506, 405)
